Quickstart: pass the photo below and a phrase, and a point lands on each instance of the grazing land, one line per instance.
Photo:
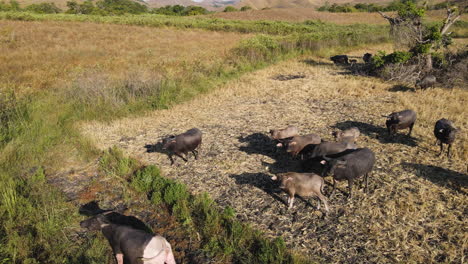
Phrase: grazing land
(303, 14)
(45, 55)
(413, 210)
(84, 99)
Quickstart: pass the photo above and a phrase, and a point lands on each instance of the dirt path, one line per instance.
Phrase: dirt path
(413, 194)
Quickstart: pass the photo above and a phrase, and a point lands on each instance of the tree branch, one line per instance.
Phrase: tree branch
(449, 20)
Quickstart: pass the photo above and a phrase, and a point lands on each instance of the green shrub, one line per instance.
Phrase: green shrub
(144, 179)
(230, 9)
(43, 8)
(113, 162)
(245, 8)
(381, 58)
(120, 7)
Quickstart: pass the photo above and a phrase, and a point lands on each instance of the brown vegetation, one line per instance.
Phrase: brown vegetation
(414, 211)
(42, 55)
(303, 14)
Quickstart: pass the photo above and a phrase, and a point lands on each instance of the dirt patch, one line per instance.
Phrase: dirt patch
(413, 197)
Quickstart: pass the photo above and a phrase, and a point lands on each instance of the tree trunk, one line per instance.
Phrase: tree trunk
(428, 66)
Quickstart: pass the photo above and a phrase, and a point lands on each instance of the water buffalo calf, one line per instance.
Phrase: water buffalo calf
(349, 167)
(445, 133)
(183, 143)
(400, 120)
(302, 184)
(348, 135)
(298, 143)
(367, 58)
(340, 59)
(287, 132)
(132, 246)
(426, 82)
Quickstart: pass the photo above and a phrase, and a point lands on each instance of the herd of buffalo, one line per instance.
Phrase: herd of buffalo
(341, 160)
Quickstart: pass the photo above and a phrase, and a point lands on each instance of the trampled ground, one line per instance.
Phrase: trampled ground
(417, 205)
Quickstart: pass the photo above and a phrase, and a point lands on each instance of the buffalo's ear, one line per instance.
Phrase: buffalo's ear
(293, 143)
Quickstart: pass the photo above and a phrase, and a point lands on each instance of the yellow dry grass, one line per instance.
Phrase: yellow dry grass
(414, 212)
(41, 55)
(302, 14)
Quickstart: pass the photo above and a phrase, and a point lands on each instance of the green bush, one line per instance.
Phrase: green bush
(381, 58)
(245, 8)
(230, 9)
(120, 7)
(144, 180)
(113, 162)
(43, 8)
(12, 6)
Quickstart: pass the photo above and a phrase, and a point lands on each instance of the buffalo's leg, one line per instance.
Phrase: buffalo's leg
(182, 157)
(334, 187)
(172, 159)
(194, 154)
(367, 182)
(441, 148)
(350, 187)
(410, 129)
(448, 150)
(119, 258)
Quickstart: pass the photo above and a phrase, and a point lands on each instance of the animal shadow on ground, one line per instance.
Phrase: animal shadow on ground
(440, 176)
(264, 182)
(158, 147)
(258, 143)
(261, 181)
(379, 133)
(401, 88)
(92, 209)
(315, 63)
(287, 77)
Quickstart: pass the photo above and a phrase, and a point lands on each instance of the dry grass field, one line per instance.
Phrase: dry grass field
(303, 14)
(44, 55)
(415, 210)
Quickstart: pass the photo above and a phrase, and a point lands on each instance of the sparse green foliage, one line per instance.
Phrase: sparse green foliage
(178, 10)
(381, 58)
(230, 9)
(245, 8)
(114, 163)
(43, 8)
